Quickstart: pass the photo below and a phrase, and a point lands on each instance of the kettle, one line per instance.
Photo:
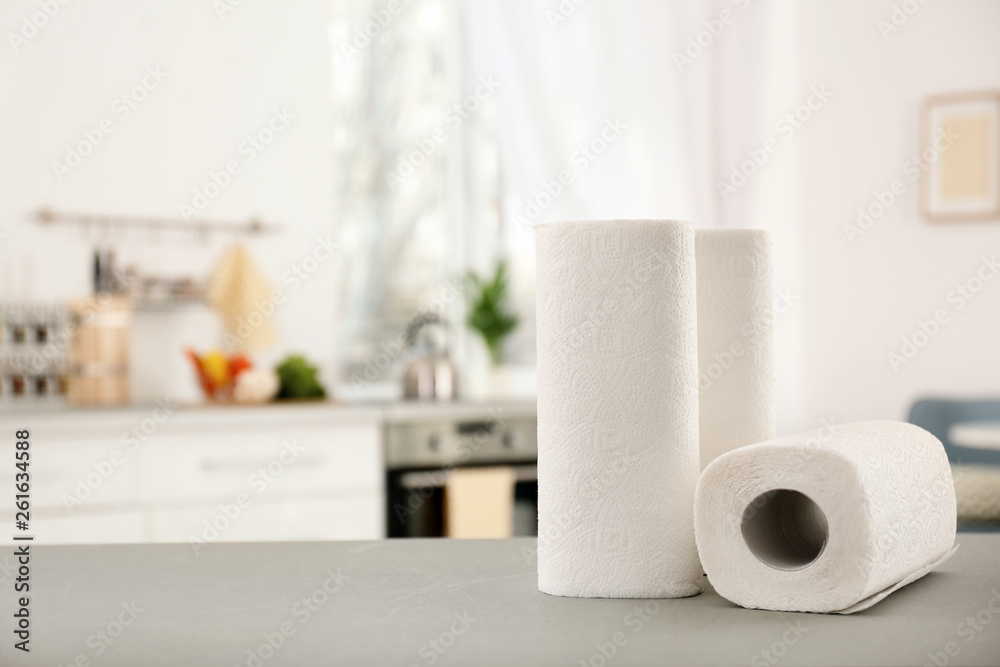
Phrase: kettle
(431, 376)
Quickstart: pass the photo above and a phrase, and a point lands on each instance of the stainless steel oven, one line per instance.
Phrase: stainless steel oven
(424, 443)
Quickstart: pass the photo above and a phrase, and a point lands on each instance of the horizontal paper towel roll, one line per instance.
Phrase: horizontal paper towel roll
(617, 409)
(735, 340)
(828, 521)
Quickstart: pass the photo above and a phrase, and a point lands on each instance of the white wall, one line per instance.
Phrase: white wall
(226, 75)
(860, 299)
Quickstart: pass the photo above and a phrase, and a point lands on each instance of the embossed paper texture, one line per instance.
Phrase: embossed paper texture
(885, 492)
(735, 340)
(617, 409)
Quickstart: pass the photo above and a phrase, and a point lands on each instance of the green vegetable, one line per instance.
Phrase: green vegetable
(488, 312)
(298, 379)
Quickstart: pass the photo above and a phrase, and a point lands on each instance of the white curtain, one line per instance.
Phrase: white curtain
(567, 72)
(687, 125)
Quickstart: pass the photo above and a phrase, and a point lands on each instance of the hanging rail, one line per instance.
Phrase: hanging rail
(47, 216)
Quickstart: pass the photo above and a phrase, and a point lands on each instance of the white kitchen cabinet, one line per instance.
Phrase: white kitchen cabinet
(301, 472)
(274, 462)
(70, 471)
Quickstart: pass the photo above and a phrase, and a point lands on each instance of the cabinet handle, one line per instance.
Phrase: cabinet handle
(236, 465)
(434, 479)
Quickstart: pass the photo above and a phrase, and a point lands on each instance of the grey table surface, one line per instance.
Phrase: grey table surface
(451, 602)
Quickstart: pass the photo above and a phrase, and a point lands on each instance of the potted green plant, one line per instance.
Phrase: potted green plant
(489, 312)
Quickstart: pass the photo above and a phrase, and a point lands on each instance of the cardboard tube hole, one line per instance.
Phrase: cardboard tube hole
(785, 529)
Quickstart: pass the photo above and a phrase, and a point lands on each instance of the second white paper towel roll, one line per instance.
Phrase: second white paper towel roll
(617, 409)
(735, 340)
(828, 521)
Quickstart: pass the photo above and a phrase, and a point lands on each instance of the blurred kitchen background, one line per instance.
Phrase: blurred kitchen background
(267, 269)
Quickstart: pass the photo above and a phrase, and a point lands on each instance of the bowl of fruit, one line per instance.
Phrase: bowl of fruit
(232, 377)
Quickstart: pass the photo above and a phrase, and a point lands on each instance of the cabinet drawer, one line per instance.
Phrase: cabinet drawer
(80, 472)
(268, 463)
(358, 518)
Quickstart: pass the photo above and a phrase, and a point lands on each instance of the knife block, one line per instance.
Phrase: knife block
(98, 354)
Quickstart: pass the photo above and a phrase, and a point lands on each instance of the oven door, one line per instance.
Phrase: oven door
(417, 502)
(422, 455)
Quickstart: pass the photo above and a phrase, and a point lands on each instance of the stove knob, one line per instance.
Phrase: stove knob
(511, 439)
(435, 442)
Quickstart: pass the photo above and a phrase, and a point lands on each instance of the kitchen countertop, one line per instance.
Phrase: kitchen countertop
(61, 417)
(455, 602)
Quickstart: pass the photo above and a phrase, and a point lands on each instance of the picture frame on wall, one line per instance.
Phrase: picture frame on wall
(960, 150)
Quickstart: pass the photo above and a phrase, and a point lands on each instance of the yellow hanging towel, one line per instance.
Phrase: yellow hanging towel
(241, 295)
(479, 502)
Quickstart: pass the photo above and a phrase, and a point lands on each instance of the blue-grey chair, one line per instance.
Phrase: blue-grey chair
(938, 415)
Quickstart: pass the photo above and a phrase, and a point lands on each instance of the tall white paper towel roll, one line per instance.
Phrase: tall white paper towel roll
(735, 340)
(828, 521)
(617, 409)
